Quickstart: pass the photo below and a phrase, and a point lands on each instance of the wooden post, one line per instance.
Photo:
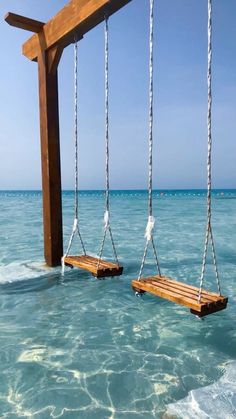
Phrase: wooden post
(50, 160)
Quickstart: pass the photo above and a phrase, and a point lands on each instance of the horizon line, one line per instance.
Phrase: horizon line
(124, 189)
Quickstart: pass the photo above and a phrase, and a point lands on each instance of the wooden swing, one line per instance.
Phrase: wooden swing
(199, 301)
(97, 266)
(98, 269)
(182, 294)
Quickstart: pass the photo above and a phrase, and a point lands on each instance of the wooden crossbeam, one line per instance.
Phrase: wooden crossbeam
(75, 19)
(23, 22)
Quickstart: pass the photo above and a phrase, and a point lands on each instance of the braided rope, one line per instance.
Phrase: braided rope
(76, 126)
(150, 106)
(209, 234)
(156, 257)
(75, 228)
(107, 113)
(107, 226)
(151, 220)
(143, 260)
(102, 247)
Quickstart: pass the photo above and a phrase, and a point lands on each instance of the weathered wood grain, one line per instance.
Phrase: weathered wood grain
(75, 19)
(181, 293)
(23, 22)
(50, 161)
(90, 264)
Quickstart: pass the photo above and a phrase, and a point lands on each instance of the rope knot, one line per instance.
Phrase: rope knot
(63, 265)
(150, 227)
(106, 220)
(75, 225)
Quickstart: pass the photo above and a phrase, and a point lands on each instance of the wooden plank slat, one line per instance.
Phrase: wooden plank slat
(109, 269)
(183, 284)
(23, 22)
(76, 18)
(90, 263)
(182, 294)
(181, 288)
(80, 263)
(94, 261)
(181, 291)
(87, 260)
(206, 310)
(169, 295)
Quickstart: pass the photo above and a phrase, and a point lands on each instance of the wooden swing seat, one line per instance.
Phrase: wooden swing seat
(90, 264)
(182, 294)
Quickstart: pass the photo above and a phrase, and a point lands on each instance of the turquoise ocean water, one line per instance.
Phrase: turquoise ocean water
(82, 348)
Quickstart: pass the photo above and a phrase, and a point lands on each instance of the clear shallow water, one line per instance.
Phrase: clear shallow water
(199, 403)
(84, 348)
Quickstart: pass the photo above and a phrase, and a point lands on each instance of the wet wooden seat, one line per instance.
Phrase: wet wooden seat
(90, 263)
(182, 294)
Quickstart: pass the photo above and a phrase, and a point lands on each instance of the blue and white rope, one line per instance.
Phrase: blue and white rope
(151, 220)
(75, 228)
(209, 234)
(107, 226)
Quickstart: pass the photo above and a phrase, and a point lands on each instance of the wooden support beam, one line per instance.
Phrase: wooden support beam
(24, 22)
(54, 56)
(50, 159)
(75, 19)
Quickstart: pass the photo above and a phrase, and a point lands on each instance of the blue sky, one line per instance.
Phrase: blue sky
(180, 133)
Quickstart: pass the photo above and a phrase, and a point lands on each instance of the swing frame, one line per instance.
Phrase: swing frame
(46, 47)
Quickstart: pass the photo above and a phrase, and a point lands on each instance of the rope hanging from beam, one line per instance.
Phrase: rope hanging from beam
(209, 233)
(75, 228)
(107, 225)
(151, 219)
